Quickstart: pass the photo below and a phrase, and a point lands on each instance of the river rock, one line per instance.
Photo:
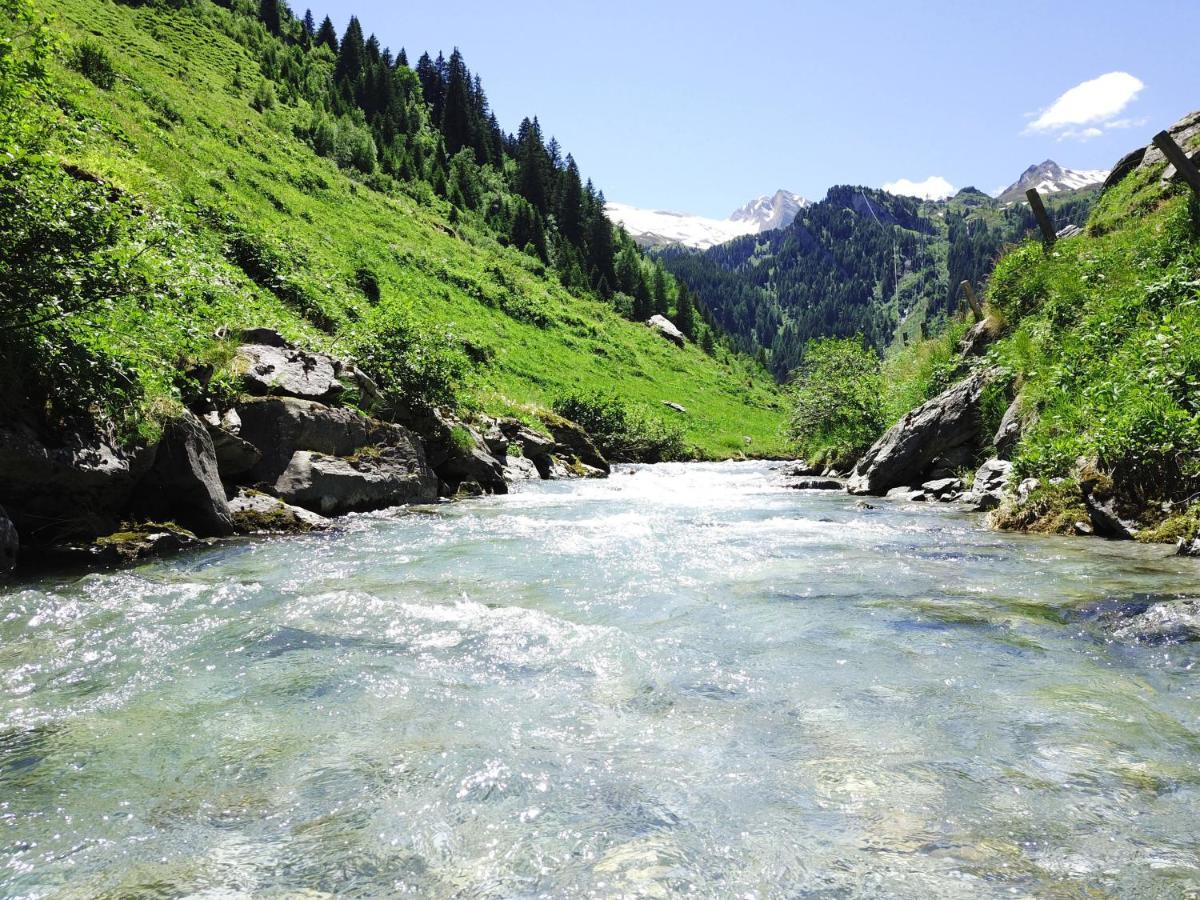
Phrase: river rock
(234, 455)
(9, 544)
(666, 328)
(535, 447)
(801, 469)
(279, 426)
(286, 372)
(184, 484)
(572, 441)
(911, 494)
(943, 489)
(73, 488)
(332, 485)
(521, 469)
(991, 481)
(1189, 546)
(254, 513)
(816, 484)
(906, 452)
(1171, 622)
(457, 452)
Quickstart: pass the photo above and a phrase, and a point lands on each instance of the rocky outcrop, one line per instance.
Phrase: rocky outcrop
(9, 544)
(274, 371)
(1189, 546)
(979, 337)
(234, 456)
(1013, 424)
(1186, 133)
(572, 441)
(74, 488)
(816, 483)
(535, 447)
(1124, 166)
(948, 423)
(331, 485)
(184, 484)
(458, 453)
(666, 328)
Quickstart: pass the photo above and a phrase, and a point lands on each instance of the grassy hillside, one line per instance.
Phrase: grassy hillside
(230, 220)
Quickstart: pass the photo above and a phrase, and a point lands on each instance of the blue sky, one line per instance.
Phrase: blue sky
(700, 106)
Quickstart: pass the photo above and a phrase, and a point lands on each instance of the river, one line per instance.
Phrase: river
(683, 680)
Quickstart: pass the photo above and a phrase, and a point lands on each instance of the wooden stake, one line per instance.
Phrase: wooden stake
(969, 292)
(1175, 155)
(1043, 218)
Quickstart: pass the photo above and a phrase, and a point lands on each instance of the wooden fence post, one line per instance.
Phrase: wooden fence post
(972, 300)
(1043, 218)
(1175, 155)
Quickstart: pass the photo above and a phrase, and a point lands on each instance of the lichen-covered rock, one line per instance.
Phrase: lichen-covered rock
(331, 485)
(140, 543)
(572, 442)
(908, 450)
(256, 513)
(286, 372)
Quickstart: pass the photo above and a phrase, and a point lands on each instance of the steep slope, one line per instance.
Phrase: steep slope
(1051, 178)
(233, 221)
(659, 228)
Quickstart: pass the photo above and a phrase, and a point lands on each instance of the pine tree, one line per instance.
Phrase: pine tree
(327, 35)
(659, 290)
(402, 59)
(706, 342)
(685, 311)
(570, 205)
(350, 56)
(456, 112)
(310, 26)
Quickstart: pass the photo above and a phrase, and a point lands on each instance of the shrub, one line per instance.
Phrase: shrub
(414, 369)
(920, 372)
(837, 400)
(92, 61)
(623, 434)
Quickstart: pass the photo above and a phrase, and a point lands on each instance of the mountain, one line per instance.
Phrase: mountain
(860, 261)
(1051, 178)
(657, 228)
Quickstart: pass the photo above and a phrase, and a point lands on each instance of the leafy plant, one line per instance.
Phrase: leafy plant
(837, 401)
(415, 369)
(92, 61)
(623, 434)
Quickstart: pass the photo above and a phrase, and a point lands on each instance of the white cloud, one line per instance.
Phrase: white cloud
(1091, 103)
(935, 187)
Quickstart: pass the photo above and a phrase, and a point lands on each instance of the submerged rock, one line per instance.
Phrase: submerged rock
(1170, 622)
(816, 484)
(138, 544)
(1189, 546)
(909, 449)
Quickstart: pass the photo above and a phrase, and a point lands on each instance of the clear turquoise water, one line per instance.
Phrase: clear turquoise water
(680, 681)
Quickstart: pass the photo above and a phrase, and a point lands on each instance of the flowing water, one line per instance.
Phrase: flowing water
(683, 680)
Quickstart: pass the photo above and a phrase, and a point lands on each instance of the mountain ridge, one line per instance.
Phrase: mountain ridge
(657, 228)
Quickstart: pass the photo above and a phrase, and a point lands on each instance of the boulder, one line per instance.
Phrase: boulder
(457, 452)
(1098, 497)
(1189, 546)
(800, 469)
(991, 481)
(9, 544)
(907, 451)
(521, 469)
(1170, 622)
(943, 489)
(535, 447)
(139, 544)
(279, 426)
(1124, 166)
(907, 493)
(572, 441)
(256, 513)
(72, 488)
(358, 382)
(269, 371)
(1186, 133)
(1012, 426)
(234, 455)
(816, 484)
(666, 328)
(184, 484)
(979, 337)
(677, 407)
(332, 485)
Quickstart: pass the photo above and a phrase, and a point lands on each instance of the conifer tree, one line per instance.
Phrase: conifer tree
(269, 13)
(327, 35)
(685, 311)
(310, 26)
(351, 53)
(456, 111)
(661, 302)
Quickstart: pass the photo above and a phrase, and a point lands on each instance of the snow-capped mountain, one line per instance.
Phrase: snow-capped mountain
(653, 228)
(1050, 178)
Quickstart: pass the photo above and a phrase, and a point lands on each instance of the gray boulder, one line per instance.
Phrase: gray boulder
(1186, 133)
(1124, 166)
(521, 469)
(535, 447)
(10, 544)
(234, 455)
(74, 488)
(1170, 622)
(1012, 425)
(270, 371)
(331, 485)
(279, 426)
(908, 450)
(943, 489)
(666, 328)
(991, 482)
(184, 483)
(979, 338)
(457, 452)
(1189, 546)
(256, 513)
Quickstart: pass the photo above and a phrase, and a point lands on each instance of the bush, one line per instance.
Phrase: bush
(622, 434)
(414, 369)
(920, 372)
(92, 61)
(837, 397)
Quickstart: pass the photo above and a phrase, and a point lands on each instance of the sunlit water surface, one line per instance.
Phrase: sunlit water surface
(684, 680)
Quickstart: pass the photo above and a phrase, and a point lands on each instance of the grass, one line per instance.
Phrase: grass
(243, 225)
